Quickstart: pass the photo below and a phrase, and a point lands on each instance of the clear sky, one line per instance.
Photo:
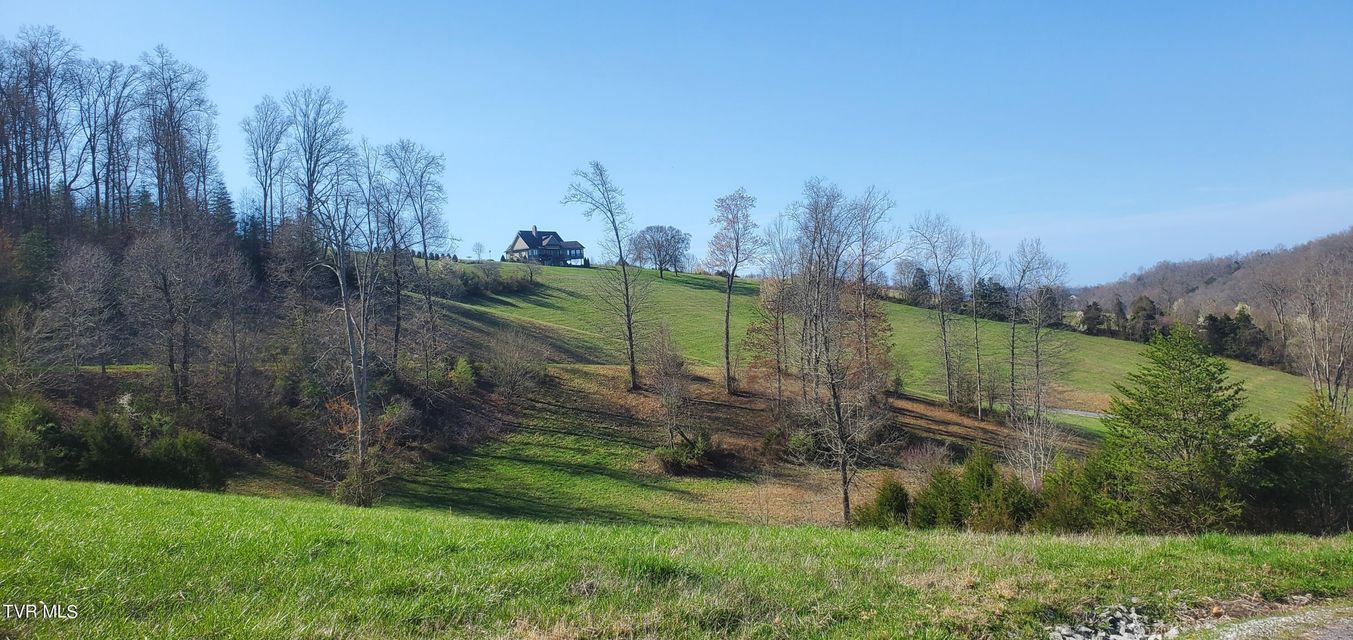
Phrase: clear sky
(1121, 133)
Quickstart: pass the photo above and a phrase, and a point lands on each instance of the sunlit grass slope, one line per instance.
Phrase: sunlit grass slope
(692, 306)
(142, 562)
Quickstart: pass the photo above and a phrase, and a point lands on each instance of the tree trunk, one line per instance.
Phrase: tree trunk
(727, 337)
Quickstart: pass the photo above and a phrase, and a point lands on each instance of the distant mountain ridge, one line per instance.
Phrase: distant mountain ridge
(1189, 289)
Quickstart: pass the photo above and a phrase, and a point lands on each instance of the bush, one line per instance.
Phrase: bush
(1005, 507)
(461, 376)
(684, 456)
(183, 460)
(110, 451)
(979, 475)
(27, 430)
(359, 488)
(1067, 506)
(1314, 473)
(801, 445)
(942, 503)
(889, 508)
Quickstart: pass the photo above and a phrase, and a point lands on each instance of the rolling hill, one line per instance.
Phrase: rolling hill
(692, 305)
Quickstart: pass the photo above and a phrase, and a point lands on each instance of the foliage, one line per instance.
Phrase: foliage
(185, 460)
(942, 503)
(461, 376)
(1192, 454)
(684, 455)
(1319, 479)
(889, 508)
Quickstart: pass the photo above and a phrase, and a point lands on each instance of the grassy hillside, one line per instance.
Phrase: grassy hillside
(238, 567)
(693, 305)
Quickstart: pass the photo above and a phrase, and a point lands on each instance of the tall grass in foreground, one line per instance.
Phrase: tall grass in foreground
(171, 564)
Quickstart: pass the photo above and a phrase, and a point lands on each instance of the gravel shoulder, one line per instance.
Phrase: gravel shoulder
(1323, 623)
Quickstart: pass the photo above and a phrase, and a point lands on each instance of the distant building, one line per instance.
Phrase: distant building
(545, 247)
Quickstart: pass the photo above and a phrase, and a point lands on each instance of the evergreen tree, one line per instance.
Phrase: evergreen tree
(1192, 455)
(1092, 318)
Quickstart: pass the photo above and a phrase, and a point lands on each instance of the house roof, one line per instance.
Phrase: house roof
(536, 239)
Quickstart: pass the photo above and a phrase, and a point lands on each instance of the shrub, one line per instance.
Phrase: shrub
(27, 427)
(979, 475)
(684, 456)
(1005, 507)
(183, 460)
(1316, 473)
(1067, 506)
(110, 451)
(801, 445)
(889, 508)
(461, 376)
(941, 503)
(359, 488)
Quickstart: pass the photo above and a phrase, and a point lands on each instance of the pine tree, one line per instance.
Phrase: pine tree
(1190, 451)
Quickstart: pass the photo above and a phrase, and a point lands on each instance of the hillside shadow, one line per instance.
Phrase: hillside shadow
(740, 288)
(473, 331)
(430, 489)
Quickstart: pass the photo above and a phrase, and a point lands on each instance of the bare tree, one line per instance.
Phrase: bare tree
(1326, 298)
(982, 261)
(734, 244)
(31, 354)
(266, 134)
(81, 305)
(169, 280)
(318, 142)
(839, 387)
(1038, 354)
(621, 293)
(779, 261)
(939, 246)
(178, 114)
(418, 175)
(662, 246)
(672, 381)
(350, 228)
(478, 249)
(875, 243)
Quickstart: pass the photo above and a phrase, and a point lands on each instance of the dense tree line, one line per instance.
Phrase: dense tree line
(280, 324)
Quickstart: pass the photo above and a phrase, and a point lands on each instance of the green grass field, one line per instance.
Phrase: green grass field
(140, 562)
(692, 306)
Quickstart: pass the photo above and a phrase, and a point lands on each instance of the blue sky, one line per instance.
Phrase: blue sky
(1121, 134)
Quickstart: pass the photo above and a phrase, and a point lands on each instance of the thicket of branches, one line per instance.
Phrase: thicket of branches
(278, 323)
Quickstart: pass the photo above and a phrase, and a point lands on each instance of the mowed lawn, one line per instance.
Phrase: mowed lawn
(692, 307)
(142, 562)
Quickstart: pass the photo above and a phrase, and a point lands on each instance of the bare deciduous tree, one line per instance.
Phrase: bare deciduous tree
(80, 302)
(672, 380)
(265, 133)
(319, 143)
(620, 292)
(478, 250)
(418, 175)
(939, 245)
(982, 261)
(169, 278)
(734, 244)
(662, 246)
(1325, 296)
(840, 388)
(875, 243)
